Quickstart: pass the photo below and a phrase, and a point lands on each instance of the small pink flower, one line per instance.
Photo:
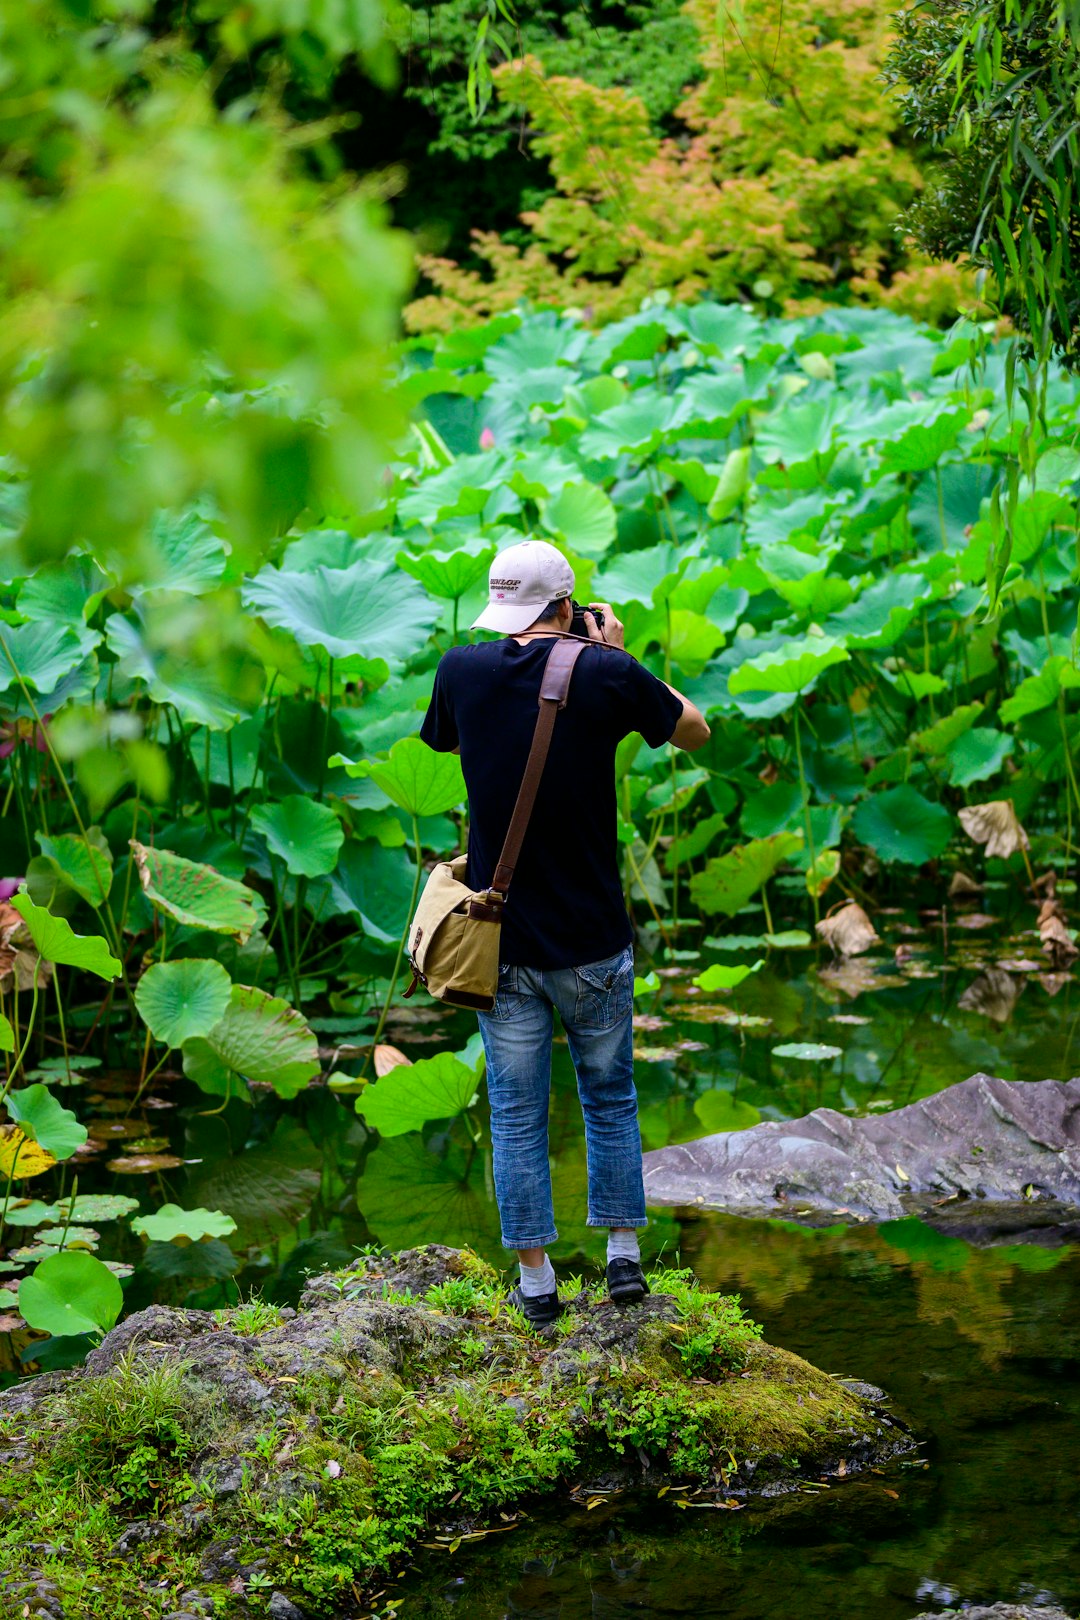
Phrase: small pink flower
(8, 887)
(14, 732)
(487, 440)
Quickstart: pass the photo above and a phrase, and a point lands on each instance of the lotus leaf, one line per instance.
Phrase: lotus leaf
(375, 611)
(83, 864)
(807, 1051)
(719, 1111)
(791, 668)
(408, 1096)
(181, 999)
(39, 1116)
(371, 882)
(996, 825)
(728, 881)
(7, 1035)
(449, 574)
(30, 1212)
(217, 692)
(96, 1207)
(583, 516)
(195, 894)
(171, 1224)
(20, 1156)
(306, 835)
(720, 977)
(183, 554)
(978, 754)
(901, 825)
(57, 942)
(69, 1237)
(259, 1039)
(71, 1294)
(41, 655)
(421, 781)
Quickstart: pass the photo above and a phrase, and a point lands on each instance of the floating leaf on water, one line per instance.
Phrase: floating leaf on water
(30, 1212)
(849, 1018)
(736, 942)
(115, 1130)
(721, 977)
(76, 1237)
(848, 930)
(792, 939)
(996, 825)
(963, 887)
(647, 985)
(20, 1157)
(171, 1224)
(180, 999)
(807, 1051)
(143, 1164)
(69, 1294)
(994, 994)
(96, 1207)
(719, 1111)
(57, 1077)
(8, 1299)
(656, 1054)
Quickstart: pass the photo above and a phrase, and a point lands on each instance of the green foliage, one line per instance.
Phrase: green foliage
(171, 1224)
(178, 1000)
(993, 85)
(39, 1116)
(57, 942)
(405, 1099)
(69, 1294)
(259, 1038)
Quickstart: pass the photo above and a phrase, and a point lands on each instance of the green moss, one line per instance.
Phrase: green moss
(387, 1422)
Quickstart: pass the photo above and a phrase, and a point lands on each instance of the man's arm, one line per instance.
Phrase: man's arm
(691, 729)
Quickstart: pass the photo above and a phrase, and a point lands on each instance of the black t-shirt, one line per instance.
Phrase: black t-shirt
(565, 904)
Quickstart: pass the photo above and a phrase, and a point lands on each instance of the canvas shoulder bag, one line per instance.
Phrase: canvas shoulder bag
(454, 938)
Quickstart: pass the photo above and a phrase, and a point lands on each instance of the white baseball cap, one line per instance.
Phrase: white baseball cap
(522, 580)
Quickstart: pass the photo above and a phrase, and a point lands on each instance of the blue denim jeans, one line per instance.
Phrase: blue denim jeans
(595, 1004)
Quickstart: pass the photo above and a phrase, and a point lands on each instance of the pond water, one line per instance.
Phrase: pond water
(980, 1348)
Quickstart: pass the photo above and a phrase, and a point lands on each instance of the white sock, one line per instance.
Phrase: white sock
(623, 1244)
(538, 1279)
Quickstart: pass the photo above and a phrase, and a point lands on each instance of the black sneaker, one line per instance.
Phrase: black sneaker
(538, 1309)
(626, 1282)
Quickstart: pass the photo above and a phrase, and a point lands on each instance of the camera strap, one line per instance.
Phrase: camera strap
(554, 691)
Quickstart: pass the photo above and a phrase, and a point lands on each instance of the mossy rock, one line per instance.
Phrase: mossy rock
(308, 1451)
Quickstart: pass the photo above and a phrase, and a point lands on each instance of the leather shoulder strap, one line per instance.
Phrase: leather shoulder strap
(554, 691)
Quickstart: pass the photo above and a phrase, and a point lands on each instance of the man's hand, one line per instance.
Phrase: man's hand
(612, 632)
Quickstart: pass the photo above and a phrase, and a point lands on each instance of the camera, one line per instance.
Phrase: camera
(578, 627)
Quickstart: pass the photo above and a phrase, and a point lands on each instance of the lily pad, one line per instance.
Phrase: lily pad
(30, 1212)
(57, 942)
(7, 1035)
(306, 835)
(98, 1207)
(408, 1096)
(807, 1051)
(181, 999)
(260, 1038)
(69, 1294)
(171, 1224)
(143, 1164)
(719, 1111)
(377, 612)
(196, 895)
(71, 1237)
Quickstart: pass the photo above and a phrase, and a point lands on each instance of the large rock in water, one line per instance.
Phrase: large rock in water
(1005, 1143)
(303, 1453)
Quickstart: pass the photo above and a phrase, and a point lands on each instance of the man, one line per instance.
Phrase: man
(566, 937)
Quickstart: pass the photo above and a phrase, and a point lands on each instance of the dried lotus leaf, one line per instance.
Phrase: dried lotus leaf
(848, 930)
(996, 825)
